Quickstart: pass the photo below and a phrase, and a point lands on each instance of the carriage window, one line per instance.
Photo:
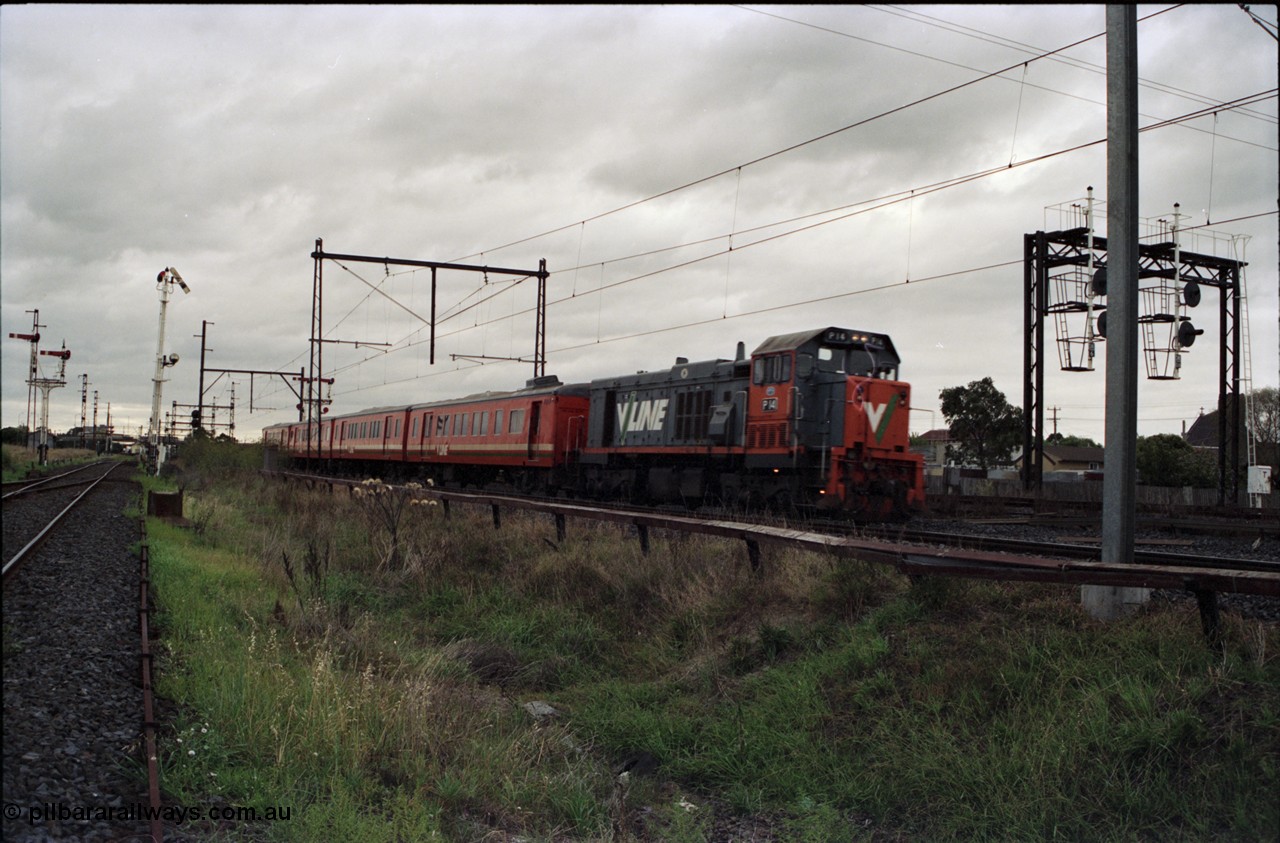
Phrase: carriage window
(466, 425)
(442, 425)
(497, 421)
(517, 421)
(484, 424)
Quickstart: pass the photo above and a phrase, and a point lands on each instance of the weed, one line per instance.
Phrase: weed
(823, 693)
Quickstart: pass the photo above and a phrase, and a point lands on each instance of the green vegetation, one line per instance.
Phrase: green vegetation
(1166, 459)
(985, 428)
(20, 461)
(375, 686)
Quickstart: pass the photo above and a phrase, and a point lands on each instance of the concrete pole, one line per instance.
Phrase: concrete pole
(164, 285)
(1120, 475)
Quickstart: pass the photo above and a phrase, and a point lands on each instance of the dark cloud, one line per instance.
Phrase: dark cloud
(224, 140)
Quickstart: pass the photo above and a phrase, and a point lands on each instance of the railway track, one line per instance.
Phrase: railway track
(70, 477)
(31, 520)
(914, 551)
(73, 704)
(1171, 518)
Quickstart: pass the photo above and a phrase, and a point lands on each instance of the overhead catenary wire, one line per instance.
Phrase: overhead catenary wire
(792, 147)
(1071, 61)
(894, 199)
(602, 287)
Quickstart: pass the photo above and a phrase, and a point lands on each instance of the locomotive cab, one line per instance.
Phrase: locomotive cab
(798, 392)
(828, 404)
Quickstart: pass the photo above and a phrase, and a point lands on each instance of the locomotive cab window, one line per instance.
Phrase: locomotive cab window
(774, 369)
(831, 360)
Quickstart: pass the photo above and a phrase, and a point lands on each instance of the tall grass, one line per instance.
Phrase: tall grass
(828, 698)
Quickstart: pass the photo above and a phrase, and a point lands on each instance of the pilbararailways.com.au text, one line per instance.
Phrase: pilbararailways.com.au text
(62, 812)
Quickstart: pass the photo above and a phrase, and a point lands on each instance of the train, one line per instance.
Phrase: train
(813, 420)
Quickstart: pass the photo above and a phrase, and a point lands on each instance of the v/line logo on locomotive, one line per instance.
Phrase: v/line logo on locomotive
(638, 416)
(878, 417)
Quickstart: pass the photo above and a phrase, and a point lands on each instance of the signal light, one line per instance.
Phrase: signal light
(1191, 294)
(1187, 334)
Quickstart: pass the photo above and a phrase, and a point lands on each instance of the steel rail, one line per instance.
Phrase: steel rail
(12, 565)
(40, 484)
(1073, 550)
(911, 558)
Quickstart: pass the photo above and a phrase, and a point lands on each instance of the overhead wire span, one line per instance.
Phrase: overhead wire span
(899, 197)
(792, 147)
(955, 182)
(985, 75)
(1080, 64)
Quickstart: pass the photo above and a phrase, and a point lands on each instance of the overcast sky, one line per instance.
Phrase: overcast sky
(630, 147)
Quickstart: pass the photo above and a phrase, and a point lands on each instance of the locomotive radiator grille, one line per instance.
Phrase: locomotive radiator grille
(767, 435)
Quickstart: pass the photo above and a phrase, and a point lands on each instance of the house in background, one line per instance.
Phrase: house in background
(1075, 458)
(932, 445)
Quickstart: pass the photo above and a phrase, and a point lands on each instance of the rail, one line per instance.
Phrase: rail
(1032, 563)
(12, 564)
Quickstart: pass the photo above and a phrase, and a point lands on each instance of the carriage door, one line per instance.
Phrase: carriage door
(535, 413)
(386, 434)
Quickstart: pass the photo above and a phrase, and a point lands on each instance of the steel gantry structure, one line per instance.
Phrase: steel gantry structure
(1080, 257)
(316, 407)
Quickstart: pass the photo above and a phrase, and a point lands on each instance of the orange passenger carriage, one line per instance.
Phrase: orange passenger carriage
(528, 438)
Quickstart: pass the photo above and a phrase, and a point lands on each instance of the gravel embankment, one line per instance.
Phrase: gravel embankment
(73, 767)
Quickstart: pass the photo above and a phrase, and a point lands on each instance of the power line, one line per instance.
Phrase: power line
(1079, 64)
(792, 148)
(895, 198)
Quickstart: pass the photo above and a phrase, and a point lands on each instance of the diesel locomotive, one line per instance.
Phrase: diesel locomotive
(811, 420)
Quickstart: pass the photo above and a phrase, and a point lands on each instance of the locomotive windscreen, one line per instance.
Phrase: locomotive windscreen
(862, 355)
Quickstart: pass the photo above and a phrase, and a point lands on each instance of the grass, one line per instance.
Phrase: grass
(18, 461)
(379, 695)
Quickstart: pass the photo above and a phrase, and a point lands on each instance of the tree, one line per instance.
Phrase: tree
(14, 435)
(1266, 427)
(1166, 459)
(1070, 441)
(985, 427)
